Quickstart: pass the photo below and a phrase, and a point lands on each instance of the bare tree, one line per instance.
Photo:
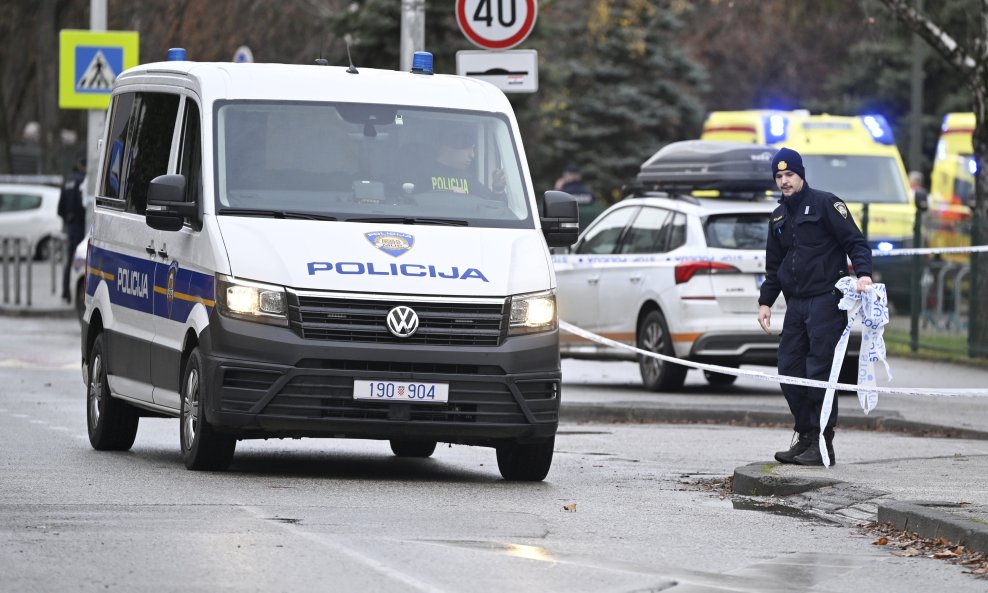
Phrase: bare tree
(971, 64)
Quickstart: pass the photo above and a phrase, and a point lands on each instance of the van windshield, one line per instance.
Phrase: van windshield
(862, 179)
(349, 161)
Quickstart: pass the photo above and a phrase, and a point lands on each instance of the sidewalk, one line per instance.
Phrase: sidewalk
(934, 496)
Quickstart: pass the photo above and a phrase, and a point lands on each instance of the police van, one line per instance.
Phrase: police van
(276, 253)
(854, 157)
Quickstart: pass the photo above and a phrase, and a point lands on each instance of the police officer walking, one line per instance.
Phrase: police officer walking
(73, 213)
(811, 235)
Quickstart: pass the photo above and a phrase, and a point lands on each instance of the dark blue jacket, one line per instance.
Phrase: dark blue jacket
(810, 237)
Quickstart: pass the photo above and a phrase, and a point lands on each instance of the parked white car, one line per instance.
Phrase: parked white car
(677, 274)
(30, 212)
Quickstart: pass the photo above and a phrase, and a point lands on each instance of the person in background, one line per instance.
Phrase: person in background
(72, 211)
(811, 236)
(916, 181)
(571, 182)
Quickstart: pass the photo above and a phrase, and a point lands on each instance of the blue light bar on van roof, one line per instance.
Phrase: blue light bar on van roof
(422, 62)
(879, 128)
(972, 166)
(776, 128)
(176, 54)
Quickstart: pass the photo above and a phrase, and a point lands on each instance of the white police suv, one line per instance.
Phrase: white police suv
(279, 251)
(676, 267)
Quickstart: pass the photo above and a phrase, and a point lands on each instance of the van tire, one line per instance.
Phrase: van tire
(111, 422)
(658, 375)
(412, 448)
(202, 447)
(528, 462)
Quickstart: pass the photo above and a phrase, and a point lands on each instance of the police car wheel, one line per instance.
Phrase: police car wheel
(412, 448)
(112, 423)
(527, 462)
(719, 379)
(202, 447)
(658, 375)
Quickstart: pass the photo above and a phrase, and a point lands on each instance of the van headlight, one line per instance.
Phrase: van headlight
(252, 301)
(532, 313)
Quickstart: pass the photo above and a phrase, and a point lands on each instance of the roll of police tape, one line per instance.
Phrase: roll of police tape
(773, 378)
(929, 250)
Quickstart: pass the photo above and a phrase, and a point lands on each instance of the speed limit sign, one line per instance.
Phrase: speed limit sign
(496, 24)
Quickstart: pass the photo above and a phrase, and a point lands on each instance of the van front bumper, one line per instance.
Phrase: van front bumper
(263, 381)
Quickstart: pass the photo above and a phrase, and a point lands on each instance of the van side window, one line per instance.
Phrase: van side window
(123, 105)
(152, 124)
(190, 157)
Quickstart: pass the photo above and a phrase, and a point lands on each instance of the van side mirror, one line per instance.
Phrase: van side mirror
(167, 193)
(922, 199)
(560, 219)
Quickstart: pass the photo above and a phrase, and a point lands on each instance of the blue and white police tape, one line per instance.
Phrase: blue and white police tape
(929, 250)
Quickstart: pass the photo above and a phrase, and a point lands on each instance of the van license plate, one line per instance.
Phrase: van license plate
(403, 391)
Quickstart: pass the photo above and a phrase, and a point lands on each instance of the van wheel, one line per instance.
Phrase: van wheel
(719, 379)
(112, 423)
(525, 462)
(658, 375)
(202, 447)
(412, 448)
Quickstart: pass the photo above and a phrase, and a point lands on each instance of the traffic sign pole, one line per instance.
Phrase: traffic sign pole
(96, 118)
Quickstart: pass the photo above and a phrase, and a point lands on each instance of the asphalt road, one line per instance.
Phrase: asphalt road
(318, 515)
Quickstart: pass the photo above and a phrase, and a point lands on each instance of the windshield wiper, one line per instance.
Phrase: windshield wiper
(275, 213)
(411, 220)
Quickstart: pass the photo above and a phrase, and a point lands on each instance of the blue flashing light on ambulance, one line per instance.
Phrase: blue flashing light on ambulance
(856, 158)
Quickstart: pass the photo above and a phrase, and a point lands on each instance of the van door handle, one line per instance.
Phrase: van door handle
(593, 280)
(163, 252)
(635, 278)
(150, 248)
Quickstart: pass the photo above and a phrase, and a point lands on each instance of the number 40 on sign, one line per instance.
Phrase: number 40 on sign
(496, 24)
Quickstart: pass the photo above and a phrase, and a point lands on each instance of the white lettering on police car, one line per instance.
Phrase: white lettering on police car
(410, 270)
(132, 282)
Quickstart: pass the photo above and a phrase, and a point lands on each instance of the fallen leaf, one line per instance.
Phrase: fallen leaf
(944, 554)
(571, 507)
(882, 541)
(908, 552)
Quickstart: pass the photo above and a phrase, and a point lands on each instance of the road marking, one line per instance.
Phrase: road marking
(346, 550)
(27, 364)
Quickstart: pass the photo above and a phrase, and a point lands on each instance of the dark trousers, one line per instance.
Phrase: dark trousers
(810, 333)
(74, 234)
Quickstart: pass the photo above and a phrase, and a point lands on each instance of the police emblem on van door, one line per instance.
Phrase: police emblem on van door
(390, 242)
(170, 289)
(403, 321)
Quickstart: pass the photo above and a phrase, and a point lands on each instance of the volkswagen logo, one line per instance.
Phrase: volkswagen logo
(403, 321)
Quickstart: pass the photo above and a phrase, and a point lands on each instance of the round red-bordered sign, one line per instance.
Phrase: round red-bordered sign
(496, 24)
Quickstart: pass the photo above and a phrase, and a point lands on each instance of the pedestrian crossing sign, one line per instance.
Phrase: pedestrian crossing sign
(89, 63)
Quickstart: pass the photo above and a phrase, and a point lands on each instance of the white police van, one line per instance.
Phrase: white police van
(276, 253)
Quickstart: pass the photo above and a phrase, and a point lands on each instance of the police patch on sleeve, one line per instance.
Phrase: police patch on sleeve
(842, 208)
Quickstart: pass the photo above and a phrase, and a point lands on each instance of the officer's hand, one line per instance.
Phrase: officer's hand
(863, 283)
(765, 317)
(497, 180)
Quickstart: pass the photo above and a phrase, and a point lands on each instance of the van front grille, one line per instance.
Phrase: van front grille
(441, 323)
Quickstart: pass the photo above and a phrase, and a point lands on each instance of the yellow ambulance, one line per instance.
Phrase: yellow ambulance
(948, 221)
(854, 157)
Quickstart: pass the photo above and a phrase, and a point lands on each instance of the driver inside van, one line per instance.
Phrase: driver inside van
(453, 168)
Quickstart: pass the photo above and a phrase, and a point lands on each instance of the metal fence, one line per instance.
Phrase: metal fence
(17, 269)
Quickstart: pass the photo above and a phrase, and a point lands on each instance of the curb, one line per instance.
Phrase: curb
(759, 479)
(928, 520)
(635, 412)
(32, 312)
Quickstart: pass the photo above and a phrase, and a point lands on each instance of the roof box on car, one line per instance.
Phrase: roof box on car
(709, 165)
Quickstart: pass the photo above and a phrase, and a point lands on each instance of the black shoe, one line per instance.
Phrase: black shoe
(801, 444)
(812, 455)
